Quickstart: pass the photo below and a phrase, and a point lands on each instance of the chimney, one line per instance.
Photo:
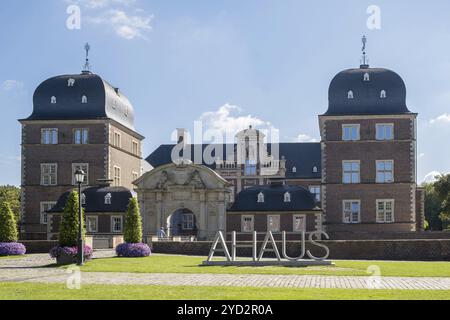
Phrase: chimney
(104, 183)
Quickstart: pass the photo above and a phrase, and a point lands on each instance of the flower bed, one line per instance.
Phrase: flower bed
(133, 250)
(69, 255)
(12, 249)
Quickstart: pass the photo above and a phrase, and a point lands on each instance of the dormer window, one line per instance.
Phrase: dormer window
(83, 199)
(71, 82)
(108, 198)
(261, 197)
(366, 77)
(294, 170)
(53, 100)
(84, 99)
(383, 94)
(315, 169)
(287, 197)
(350, 95)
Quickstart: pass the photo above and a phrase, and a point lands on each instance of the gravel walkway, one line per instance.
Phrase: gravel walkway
(33, 269)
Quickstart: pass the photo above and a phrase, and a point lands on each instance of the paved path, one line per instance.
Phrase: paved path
(32, 269)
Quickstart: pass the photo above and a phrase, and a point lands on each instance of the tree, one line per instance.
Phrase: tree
(8, 226)
(432, 208)
(68, 234)
(11, 194)
(133, 223)
(442, 187)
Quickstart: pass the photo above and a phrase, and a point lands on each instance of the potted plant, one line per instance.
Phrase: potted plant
(8, 233)
(66, 252)
(133, 246)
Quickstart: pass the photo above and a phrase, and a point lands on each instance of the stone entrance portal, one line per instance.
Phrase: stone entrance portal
(185, 199)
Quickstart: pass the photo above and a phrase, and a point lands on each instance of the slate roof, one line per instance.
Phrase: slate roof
(301, 199)
(104, 101)
(95, 199)
(303, 156)
(367, 99)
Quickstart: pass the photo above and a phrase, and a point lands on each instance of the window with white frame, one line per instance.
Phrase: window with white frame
(385, 211)
(70, 82)
(294, 169)
(81, 136)
(49, 174)
(188, 221)
(250, 168)
(351, 172)
(45, 207)
(383, 94)
(366, 77)
(108, 198)
(49, 136)
(84, 99)
(80, 166)
(117, 140)
(315, 190)
(287, 197)
(116, 224)
(385, 171)
(385, 131)
(261, 197)
(134, 176)
(299, 223)
(350, 132)
(247, 223)
(273, 223)
(351, 211)
(135, 148)
(350, 95)
(117, 175)
(83, 199)
(92, 224)
(53, 100)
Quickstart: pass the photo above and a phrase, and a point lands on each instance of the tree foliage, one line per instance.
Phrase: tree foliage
(432, 208)
(133, 223)
(11, 195)
(8, 226)
(68, 234)
(442, 188)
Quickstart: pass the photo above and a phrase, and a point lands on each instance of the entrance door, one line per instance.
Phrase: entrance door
(182, 223)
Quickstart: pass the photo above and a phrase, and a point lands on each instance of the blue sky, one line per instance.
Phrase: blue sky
(229, 63)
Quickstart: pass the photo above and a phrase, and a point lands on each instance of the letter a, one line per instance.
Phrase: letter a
(221, 239)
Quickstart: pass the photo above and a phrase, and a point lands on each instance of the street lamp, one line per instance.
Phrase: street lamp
(79, 178)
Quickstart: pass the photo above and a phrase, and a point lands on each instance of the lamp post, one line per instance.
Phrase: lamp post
(79, 178)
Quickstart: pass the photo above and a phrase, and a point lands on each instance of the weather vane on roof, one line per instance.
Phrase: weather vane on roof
(87, 66)
(364, 59)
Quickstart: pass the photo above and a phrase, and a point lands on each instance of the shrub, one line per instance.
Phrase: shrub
(68, 234)
(12, 249)
(8, 226)
(133, 223)
(133, 250)
(56, 252)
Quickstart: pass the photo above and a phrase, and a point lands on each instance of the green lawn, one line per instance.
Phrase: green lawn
(31, 291)
(185, 264)
(12, 257)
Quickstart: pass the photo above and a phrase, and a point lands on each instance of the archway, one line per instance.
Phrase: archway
(182, 223)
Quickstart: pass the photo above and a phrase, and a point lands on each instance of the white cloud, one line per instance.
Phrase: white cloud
(228, 119)
(444, 118)
(122, 16)
(305, 138)
(431, 177)
(12, 85)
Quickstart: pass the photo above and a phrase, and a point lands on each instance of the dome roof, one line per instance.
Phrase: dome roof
(301, 199)
(101, 100)
(367, 91)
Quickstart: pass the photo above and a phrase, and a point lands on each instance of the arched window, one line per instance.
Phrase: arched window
(366, 77)
(383, 94)
(83, 199)
(53, 100)
(287, 197)
(108, 198)
(350, 94)
(315, 169)
(261, 197)
(84, 99)
(70, 82)
(294, 169)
